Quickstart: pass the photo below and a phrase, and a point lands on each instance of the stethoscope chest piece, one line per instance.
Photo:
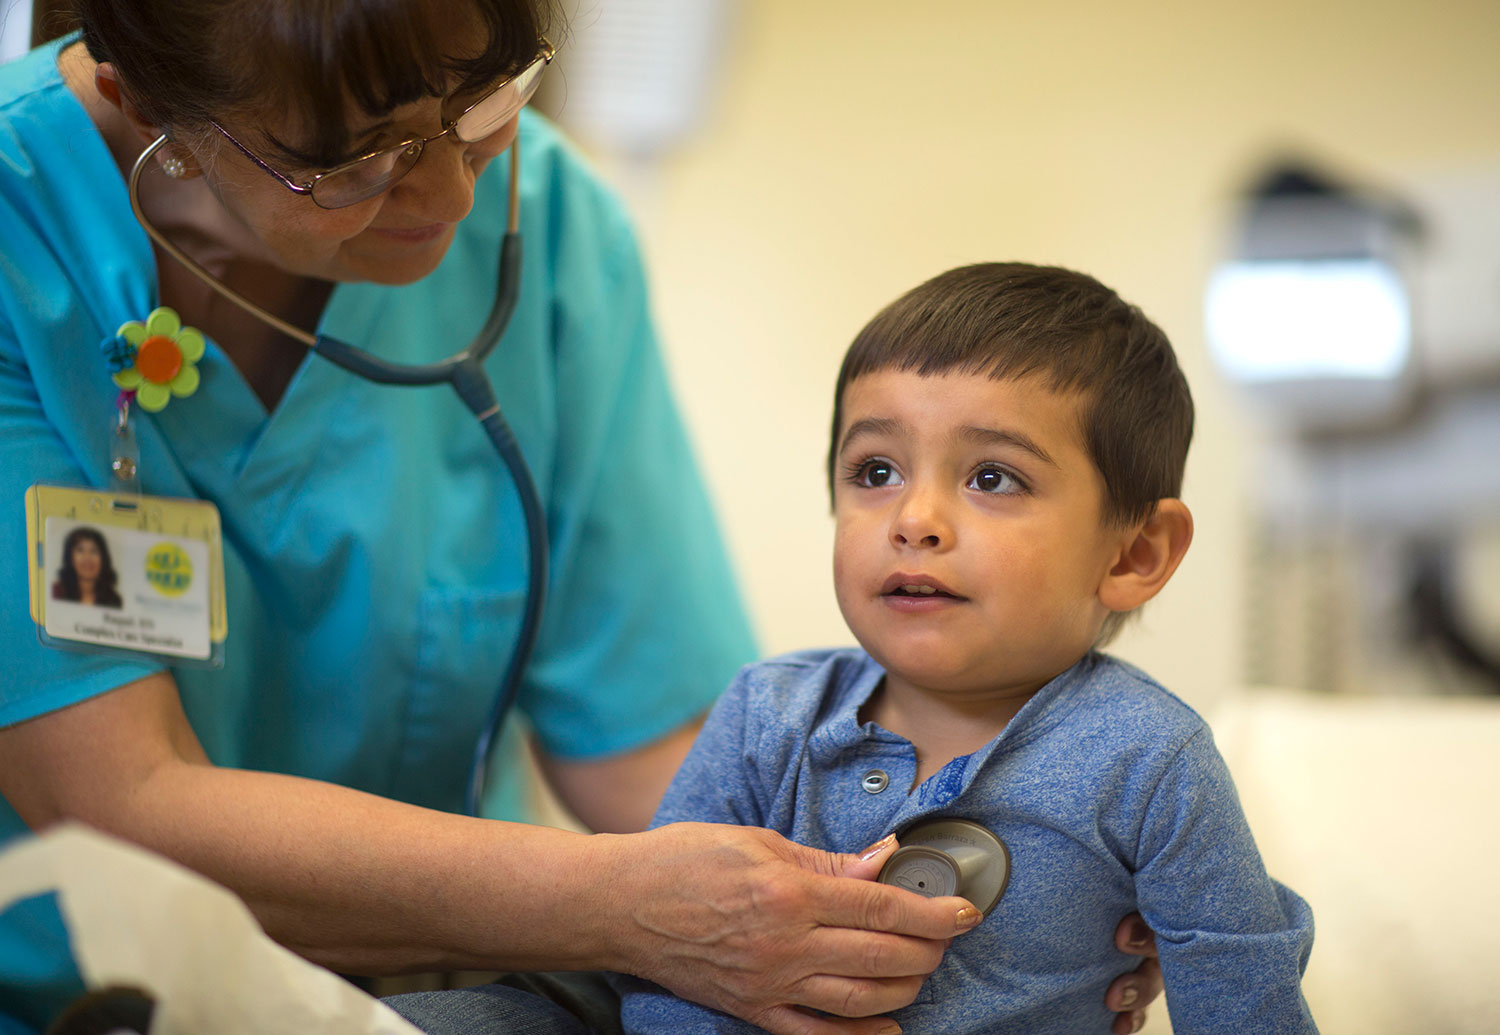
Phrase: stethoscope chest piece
(950, 857)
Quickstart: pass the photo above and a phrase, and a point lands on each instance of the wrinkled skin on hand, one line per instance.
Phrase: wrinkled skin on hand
(747, 922)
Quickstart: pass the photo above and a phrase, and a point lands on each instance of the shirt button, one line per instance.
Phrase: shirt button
(875, 781)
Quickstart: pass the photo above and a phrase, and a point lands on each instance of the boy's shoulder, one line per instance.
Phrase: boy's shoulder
(806, 674)
(800, 687)
(811, 660)
(1115, 696)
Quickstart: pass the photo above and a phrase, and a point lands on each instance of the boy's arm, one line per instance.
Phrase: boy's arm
(713, 785)
(1233, 942)
(717, 781)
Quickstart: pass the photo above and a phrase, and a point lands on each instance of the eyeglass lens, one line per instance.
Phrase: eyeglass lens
(499, 106)
(367, 177)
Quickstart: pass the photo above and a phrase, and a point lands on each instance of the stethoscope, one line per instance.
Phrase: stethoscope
(465, 372)
(946, 856)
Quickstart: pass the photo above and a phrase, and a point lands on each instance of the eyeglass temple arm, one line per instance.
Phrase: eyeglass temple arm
(191, 265)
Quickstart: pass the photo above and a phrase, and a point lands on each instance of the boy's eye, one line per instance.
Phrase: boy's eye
(996, 480)
(877, 474)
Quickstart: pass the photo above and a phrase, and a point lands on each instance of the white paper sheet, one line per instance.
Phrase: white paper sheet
(139, 920)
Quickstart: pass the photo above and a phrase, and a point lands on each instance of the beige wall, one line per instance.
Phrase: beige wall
(856, 148)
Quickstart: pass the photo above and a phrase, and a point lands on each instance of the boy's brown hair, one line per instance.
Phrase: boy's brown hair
(1011, 320)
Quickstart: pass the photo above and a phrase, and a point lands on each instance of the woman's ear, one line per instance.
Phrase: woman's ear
(1149, 554)
(174, 157)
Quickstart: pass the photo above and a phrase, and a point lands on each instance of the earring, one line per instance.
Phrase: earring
(174, 167)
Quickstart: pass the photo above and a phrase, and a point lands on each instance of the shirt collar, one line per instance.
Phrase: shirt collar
(839, 728)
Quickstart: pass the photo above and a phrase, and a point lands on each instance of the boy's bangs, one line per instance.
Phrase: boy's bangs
(325, 63)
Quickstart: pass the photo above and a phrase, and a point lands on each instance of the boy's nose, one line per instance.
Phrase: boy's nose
(919, 523)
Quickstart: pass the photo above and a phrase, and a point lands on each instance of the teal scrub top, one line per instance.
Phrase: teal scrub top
(375, 557)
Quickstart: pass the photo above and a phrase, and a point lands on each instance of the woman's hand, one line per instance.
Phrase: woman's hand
(747, 922)
(1130, 994)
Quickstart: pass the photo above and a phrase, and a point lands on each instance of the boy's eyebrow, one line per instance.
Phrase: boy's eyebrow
(871, 426)
(971, 432)
(995, 436)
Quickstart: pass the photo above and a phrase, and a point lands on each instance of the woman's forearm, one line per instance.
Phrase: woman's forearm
(351, 880)
(737, 918)
(365, 885)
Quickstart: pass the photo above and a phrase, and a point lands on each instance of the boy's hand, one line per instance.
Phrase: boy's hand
(747, 922)
(1130, 994)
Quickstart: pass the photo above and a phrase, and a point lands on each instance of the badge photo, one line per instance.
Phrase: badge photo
(127, 574)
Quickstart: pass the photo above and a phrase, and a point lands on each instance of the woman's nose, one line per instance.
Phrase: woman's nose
(920, 521)
(440, 187)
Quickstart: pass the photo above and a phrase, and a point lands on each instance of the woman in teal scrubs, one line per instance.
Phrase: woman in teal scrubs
(374, 556)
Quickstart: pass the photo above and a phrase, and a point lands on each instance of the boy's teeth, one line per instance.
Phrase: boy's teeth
(924, 590)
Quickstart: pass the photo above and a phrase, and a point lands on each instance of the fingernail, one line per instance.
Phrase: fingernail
(891, 1029)
(1137, 1024)
(874, 850)
(969, 917)
(1129, 996)
(1139, 933)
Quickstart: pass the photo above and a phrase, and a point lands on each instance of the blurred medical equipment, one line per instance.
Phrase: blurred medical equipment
(15, 28)
(1311, 315)
(941, 857)
(635, 74)
(1364, 333)
(464, 370)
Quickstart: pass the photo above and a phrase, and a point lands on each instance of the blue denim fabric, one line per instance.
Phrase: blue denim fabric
(490, 1009)
(580, 1003)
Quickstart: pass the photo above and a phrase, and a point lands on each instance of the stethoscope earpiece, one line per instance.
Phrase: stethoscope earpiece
(959, 857)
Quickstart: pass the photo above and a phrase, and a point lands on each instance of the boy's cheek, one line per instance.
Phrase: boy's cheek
(845, 571)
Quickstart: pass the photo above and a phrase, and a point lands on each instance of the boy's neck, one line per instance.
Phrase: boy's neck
(942, 727)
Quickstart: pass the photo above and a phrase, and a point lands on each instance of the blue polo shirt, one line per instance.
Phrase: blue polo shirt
(374, 550)
(1111, 798)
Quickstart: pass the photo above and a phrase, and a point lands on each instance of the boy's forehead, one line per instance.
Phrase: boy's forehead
(960, 395)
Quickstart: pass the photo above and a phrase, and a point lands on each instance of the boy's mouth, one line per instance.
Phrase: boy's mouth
(918, 586)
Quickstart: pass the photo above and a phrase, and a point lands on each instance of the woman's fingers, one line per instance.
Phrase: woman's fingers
(1130, 994)
(1135, 990)
(857, 997)
(744, 921)
(837, 952)
(1134, 937)
(865, 905)
(791, 1020)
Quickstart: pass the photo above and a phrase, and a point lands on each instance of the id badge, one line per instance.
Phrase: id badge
(128, 575)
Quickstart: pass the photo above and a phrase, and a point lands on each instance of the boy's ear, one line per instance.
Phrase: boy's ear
(1149, 554)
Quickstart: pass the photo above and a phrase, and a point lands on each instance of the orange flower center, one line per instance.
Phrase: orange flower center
(158, 359)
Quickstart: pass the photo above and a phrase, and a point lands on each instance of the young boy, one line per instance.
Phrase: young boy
(1008, 448)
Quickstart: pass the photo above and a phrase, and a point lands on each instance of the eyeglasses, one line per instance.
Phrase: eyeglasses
(364, 177)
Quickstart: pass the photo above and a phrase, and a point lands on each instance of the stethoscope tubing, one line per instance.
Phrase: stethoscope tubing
(464, 371)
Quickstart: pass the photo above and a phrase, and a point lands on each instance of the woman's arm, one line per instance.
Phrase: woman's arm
(740, 919)
(619, 795)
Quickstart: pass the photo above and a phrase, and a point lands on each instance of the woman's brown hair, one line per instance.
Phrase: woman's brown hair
(184, 62)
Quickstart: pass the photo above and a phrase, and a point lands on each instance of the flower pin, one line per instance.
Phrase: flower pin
(156, 359)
